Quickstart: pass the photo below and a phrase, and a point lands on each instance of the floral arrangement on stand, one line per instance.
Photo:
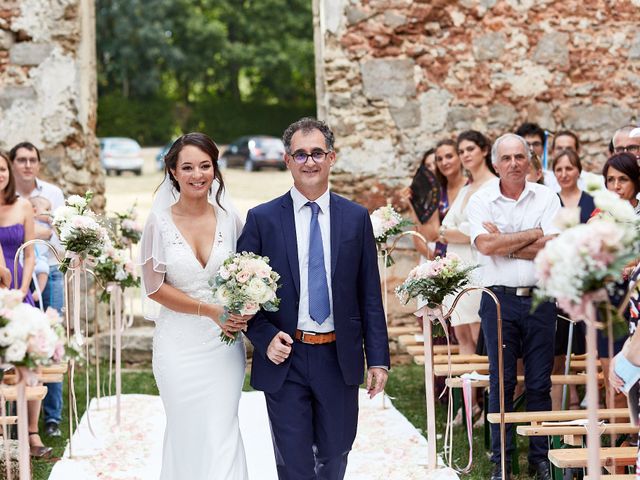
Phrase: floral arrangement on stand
(579, 267)
(431, 282)
(386, 222)
(127, 229)
(245, 283)
(114, 266)
(79, 230)
(28, 336)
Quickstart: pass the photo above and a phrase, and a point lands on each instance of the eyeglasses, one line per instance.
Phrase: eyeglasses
(536, 144)
(628, 148)
(317, 156)
(23, 161)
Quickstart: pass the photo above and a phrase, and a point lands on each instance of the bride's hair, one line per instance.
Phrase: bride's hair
(204, 143)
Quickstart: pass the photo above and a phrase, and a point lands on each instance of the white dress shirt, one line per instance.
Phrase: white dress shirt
(302, 215)
(536, 207)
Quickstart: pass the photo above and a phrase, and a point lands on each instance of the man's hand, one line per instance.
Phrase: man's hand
(376, 380)
(490, 227)
(614, 380)
(280, 348)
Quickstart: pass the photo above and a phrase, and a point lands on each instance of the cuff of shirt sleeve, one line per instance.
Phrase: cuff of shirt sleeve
(384, 367)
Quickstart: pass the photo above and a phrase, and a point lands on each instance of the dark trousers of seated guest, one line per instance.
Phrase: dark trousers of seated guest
(530, 335)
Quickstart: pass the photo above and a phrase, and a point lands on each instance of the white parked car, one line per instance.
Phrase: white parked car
(118, 154)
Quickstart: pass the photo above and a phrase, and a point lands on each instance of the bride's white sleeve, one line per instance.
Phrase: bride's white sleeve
(153, 261)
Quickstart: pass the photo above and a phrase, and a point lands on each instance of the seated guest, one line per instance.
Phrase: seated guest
(474, 152)
(536, 174)
(26, 161)
(450, 175)
(510, 222)
(567, 168)
(17, 227)
(622, 176)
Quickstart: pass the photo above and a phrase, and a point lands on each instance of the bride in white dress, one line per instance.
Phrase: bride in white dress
(186, 238)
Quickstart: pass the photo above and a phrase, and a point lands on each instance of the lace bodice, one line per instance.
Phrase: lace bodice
(167, 257)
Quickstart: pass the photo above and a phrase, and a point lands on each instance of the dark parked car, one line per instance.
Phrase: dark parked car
(255, 152)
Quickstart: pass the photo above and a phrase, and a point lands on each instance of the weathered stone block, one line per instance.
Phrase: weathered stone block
(634, 48)
(29, 53)
(355, 15)
(461, 118)
(553, 49)
(385, 78)
(394, 19)
(14, 92)
(406, 116)
(434, 108)
(6, 40)
(489, 46)
(502, 116)
(593, 117)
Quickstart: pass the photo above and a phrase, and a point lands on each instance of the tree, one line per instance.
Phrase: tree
(245, 50)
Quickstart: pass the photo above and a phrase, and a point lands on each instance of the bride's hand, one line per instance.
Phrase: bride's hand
(215, 312)
(238, 322)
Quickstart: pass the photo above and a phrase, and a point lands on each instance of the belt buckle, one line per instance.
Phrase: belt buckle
(523, 291)
(313, 334)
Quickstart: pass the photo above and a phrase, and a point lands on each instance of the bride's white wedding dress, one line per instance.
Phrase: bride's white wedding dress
(199, 377)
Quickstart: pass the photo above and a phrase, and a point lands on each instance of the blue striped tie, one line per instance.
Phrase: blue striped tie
(319, 308)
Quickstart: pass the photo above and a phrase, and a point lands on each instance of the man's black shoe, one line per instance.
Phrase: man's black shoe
(51, 429)
(496, 474)
(540, 470)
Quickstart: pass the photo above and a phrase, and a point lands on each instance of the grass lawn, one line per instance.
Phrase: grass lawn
(406, 386)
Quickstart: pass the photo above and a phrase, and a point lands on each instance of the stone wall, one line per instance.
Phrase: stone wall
(397, 75)
(48, 90)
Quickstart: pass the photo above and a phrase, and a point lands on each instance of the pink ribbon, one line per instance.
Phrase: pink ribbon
(115, 303)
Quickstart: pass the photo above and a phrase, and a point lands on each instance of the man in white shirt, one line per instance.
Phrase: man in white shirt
(25, 160)
(511, 220)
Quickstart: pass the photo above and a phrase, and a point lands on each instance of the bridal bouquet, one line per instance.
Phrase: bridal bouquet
(386, 222)
(113, 266)
(581, 265)
(432, 281)
(79, 230)
(29, 336)
(244, 284)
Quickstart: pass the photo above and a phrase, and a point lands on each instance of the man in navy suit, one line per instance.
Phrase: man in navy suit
(308, 356)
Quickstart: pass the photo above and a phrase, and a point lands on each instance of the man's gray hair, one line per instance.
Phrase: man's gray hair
(506, 136)
(307, 125)
(626, 130)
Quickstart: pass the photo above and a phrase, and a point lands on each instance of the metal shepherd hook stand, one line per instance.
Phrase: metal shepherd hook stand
(429, 388)
(384, 254)
(71, 390)
(23, 441)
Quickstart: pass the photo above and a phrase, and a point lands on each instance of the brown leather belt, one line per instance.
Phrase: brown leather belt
(313, 338)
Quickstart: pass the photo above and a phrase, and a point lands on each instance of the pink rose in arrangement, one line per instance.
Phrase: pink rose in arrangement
(243, 276)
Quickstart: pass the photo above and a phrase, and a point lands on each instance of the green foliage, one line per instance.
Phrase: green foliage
(151, 121)
(241, 49)
(154, 121)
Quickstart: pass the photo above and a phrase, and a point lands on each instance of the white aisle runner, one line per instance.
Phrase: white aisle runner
(387, 447)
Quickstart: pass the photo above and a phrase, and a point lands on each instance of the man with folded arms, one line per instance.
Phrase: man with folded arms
(511, 221)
